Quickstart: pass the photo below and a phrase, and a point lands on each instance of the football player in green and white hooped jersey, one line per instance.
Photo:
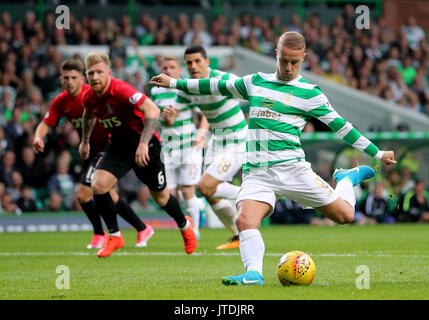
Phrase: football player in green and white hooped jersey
(280, 105)
(225, 153)
(181, 142)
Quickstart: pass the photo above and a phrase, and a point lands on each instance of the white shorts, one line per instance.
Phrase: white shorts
(223, 164)
(184, 173)
(294, 181)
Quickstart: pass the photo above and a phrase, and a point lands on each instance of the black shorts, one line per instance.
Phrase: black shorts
(88, 168)
(119, 158)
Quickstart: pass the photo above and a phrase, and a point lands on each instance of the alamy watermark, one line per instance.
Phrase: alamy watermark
(63, 280)
(363, 20)
(363, 280)
(63, 19)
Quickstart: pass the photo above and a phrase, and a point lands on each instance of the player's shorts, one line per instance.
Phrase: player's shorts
(184, 173)
(224, 163)
(119, 158)
(88, 168)
(295, 181)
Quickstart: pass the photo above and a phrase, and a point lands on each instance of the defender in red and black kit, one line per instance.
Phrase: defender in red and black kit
(130, 118)
(69, 103)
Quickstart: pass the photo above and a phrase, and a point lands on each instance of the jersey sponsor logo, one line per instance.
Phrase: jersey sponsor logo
(110, 122)
(136, 97)
(77, 123)
(107, 123)
(266, 114)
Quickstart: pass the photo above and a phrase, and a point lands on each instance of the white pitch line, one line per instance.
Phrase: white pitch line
(271, 254)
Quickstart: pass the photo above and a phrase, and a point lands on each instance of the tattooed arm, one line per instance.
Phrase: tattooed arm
(151, 118)
(88, 123)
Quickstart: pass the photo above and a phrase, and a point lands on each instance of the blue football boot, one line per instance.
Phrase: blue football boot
(251, 277)
(355, 175)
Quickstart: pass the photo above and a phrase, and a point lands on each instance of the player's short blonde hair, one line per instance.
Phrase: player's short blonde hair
(171, 57)
(292, 40)
(96, 57)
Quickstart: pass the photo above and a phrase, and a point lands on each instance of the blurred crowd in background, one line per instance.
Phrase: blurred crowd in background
(379, 61)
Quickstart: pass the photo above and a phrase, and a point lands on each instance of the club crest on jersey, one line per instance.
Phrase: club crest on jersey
(136, 97)
(268, 103)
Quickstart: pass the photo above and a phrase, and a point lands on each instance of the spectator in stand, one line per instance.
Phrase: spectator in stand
(407, 182)
(198, 32)
(334, 73)
(118, 68)
(14, 190)
(415, 205)
(62, 182)
(26, 201)
(142, 202)
(5, 144)
(295, 24)
(55, 202)
(7, 166)
(413, 33)
(117, 49)
(8, 205)
(375, 207)
(407, 70)
(31, 168)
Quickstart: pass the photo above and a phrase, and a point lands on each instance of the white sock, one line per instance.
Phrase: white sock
(346, 191)
(252, 249)
(225, 212)
(193, 209)
(115, 234)
(187, 225)
(226, 190)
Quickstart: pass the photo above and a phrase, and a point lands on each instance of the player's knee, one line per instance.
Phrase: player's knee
(83, 196)
(161, 198)
(346, 217)
(205, 190)
(98, 187)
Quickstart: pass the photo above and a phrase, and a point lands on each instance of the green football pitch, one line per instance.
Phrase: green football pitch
(353, 262)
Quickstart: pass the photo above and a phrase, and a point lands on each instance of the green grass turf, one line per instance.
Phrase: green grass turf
(397, 257)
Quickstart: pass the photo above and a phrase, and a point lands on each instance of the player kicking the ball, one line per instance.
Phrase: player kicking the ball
(280, 105)
(69, 103)
(130, 117)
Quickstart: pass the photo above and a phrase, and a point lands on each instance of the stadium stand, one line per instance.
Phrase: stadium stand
(390, 64)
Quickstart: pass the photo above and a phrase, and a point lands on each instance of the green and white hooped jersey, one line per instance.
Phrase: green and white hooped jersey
(278, 113)
(227, 122)
(181, 134)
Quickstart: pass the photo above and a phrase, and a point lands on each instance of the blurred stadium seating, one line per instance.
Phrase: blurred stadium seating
(376, 78)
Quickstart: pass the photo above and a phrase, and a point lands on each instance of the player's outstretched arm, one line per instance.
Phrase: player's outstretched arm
(41, 131)
(88, 123)
(388, 158)
(234, 88)
(151, 118)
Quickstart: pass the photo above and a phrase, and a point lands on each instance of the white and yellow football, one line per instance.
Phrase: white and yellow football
(296, 267)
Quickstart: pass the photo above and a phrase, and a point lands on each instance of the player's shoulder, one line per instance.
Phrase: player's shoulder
(121, 88)
(223, 75)
(62, 96)
(303, 83)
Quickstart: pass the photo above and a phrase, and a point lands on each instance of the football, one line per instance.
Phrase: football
(296, 267)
